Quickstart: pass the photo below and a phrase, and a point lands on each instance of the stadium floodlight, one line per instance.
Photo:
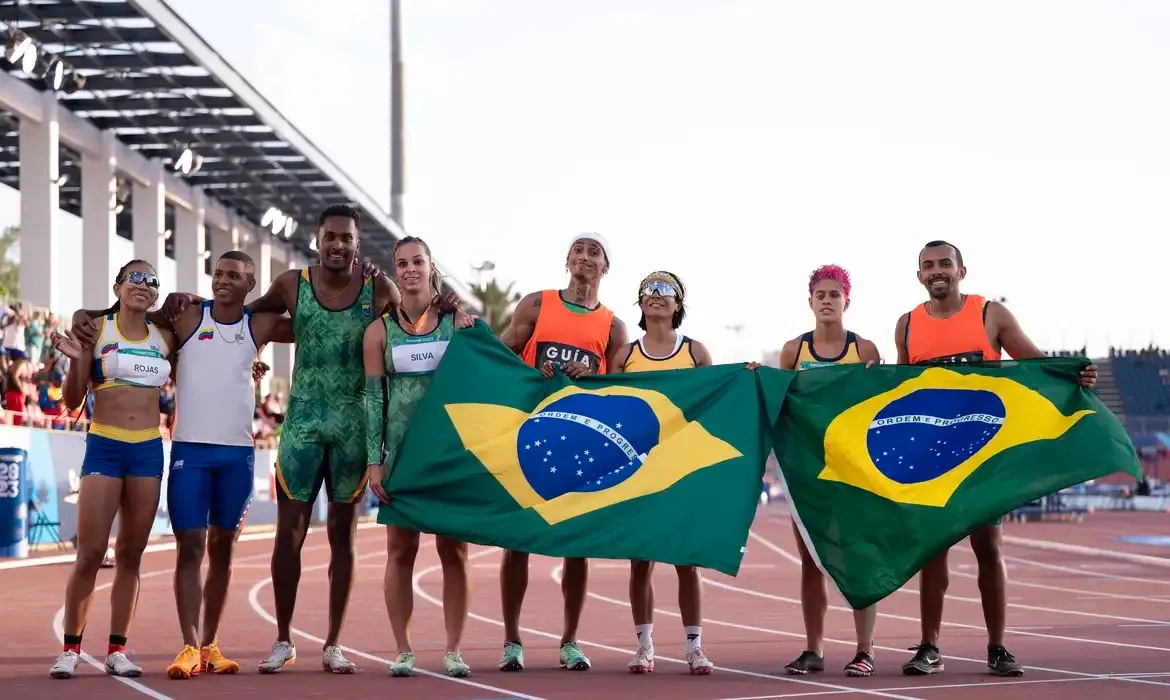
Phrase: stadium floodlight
(184, 162)
(290, 225)
(55, 76)
(25, 51)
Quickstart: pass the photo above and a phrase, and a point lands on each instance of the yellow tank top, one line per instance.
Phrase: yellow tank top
(808, 358)
(681, 358)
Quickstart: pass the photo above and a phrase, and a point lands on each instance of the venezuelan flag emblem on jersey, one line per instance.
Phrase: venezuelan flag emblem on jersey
(616, 466)
(913, 458)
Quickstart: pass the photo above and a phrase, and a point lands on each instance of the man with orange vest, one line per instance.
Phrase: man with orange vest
(950, 328)
(567, 330)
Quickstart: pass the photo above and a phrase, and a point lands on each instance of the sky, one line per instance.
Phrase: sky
(743, 143)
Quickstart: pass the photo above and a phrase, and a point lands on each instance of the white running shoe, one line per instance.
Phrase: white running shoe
(66, 665)
(118, 664)
(333, 660)
(643, 661)
(282, 653)
(455, 666)
(699, 663)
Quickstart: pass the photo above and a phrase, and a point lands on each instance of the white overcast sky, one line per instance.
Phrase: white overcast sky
(741, 143)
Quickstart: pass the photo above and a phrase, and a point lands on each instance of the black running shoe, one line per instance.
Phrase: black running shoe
(927, 660)
(1002, 663)
(860, 666)
(807, 662)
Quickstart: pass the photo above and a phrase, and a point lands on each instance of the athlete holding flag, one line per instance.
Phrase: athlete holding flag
(569, 330)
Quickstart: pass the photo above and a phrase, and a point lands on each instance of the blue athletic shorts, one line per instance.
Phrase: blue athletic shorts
(120, 459)
(209, 485)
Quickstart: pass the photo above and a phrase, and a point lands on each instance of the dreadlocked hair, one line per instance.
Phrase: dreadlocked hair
(680, 310)
(117, 306)
(436, 280)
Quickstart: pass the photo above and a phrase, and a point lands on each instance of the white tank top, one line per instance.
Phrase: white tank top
(214, 395)
(118, 361)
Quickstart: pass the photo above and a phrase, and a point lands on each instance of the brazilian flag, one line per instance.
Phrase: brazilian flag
(660, 466)
(887, 467)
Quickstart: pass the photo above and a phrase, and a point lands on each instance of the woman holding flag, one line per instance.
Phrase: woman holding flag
(401, 351)
(661, 296)
(827, 344)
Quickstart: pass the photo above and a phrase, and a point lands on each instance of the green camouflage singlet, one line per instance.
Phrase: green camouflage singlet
(323, 437)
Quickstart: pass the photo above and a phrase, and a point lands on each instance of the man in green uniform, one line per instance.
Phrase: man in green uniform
(322, 439)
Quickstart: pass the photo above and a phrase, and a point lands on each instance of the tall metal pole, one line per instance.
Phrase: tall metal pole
(397, 153)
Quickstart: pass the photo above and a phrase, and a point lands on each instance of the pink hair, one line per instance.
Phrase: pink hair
(831, 272)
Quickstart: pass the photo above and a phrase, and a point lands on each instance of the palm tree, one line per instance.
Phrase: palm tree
(498, 304)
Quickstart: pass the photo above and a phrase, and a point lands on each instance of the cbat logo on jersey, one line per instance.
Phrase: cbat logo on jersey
(918, 442)
(582, 450)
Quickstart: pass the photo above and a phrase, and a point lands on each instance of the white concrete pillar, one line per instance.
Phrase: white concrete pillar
(39, 206)
(99, 229)
(223, 240)
(190, 233)
(259, 247)
(283, 353)
(148, 222)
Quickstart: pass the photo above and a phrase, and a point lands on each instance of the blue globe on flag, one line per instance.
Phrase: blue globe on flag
(585, 442)
(929, 432)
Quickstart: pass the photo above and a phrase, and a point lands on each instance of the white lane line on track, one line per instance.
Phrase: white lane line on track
(877, 692)
(254, 602)
(790, 557)
(1085, 572)
(1066, 548)
(1034, 608)
(59, 632)
(942, 686)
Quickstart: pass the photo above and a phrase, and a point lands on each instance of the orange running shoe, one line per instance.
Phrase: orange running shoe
(186, 665)
(215, 662)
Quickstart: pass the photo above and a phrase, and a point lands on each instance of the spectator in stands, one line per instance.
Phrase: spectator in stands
(14, 323)
(19, 388)
(34, 338)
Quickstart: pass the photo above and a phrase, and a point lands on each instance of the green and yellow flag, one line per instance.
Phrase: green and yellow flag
(660, 466)
(887, 467)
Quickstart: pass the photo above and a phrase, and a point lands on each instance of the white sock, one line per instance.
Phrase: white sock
(645, 635)
(694, 637)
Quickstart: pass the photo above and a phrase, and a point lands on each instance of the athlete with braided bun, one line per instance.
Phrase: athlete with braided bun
(401, 350)
(661, 297)
(828, 343)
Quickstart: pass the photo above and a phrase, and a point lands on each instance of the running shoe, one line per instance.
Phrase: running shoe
(807, 662)
(402, 665)
(572, 658)
(333, 660)
(213, 661)
(513, 658)
(453, 663)
(699, 663)
(118, 664)
(861, 666)
(186, 665)
(927, 660)
(282, 654)
(1002, 663)
(643, 661)
(66, 665)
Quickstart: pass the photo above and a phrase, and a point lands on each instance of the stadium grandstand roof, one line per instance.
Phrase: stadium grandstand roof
(136, 68)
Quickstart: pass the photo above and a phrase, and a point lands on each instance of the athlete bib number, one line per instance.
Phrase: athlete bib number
(559, 354)
(418, 355)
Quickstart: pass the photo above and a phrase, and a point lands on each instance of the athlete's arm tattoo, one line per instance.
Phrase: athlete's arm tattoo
(523, 323)
(618, 339)
(373, 359)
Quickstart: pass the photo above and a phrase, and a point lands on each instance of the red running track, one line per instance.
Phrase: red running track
(1086, 625)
